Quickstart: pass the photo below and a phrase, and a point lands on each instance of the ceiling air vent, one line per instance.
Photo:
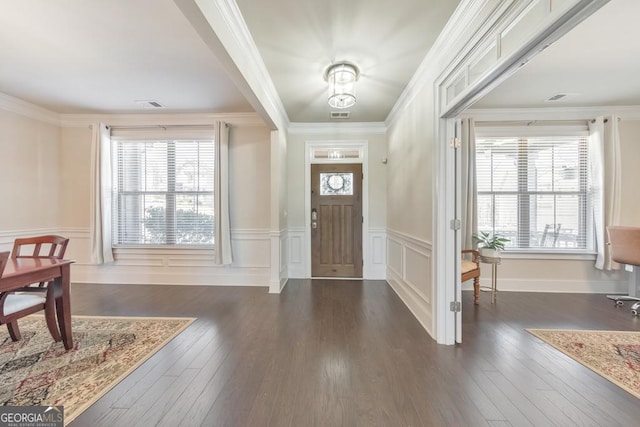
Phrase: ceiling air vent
(149, 104)
(339, 114)
(557, 97)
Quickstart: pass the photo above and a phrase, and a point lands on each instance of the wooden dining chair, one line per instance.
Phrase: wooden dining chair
(14, 306)
(4, 256)
(50, 246)
(471, 270)
(38, 296)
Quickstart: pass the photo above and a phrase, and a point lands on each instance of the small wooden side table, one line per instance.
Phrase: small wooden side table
(494, 261)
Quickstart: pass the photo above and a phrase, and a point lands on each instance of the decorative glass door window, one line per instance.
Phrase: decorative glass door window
(336, 184)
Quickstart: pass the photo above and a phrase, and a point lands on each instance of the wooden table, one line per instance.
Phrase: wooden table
(22, 272)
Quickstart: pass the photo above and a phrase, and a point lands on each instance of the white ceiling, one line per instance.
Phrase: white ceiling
(386, 39)
(79, 56)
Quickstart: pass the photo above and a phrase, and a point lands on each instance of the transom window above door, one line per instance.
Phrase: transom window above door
(335, 155)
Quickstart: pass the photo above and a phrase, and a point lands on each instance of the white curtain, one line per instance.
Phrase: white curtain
(223, 229)
(469, 209)
(604, 147)
(100, 195)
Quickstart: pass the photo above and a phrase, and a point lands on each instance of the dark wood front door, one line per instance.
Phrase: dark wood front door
(336, 220)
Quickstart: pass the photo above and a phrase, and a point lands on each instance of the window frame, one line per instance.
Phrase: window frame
(586, 227)
(170, 193)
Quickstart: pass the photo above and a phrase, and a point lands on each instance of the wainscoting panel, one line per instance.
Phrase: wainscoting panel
(408, 265)
(409, 274)
(417, 271)
(375, 260)
(395, 257)
(171, 266)
(279, 265)
(297, 253)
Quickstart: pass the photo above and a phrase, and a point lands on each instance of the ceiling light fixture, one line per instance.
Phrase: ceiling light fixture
(342, 84)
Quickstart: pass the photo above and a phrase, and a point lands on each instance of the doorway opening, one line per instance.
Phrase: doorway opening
(336, 209)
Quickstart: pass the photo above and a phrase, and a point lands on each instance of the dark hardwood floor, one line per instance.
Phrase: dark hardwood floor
(349, 353)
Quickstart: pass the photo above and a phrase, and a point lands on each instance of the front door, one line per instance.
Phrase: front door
(336, 220)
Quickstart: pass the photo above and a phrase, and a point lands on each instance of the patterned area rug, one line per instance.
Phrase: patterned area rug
(38, 371)
(613, 354)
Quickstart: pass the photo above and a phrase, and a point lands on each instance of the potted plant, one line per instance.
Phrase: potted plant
(490, 245)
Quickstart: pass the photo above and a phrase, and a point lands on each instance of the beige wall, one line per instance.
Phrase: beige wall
(630, 152)
(410, 206)
(29, 173)
(377, 150)
(250, 178)
(279, 182)
(410, 169)
(75, 155)
(45, 177)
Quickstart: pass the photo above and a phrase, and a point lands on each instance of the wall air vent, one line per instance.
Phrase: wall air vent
(149, 104)
(339, 114)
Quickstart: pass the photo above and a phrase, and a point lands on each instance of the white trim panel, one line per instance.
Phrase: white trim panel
(279, 272)
(296, 255)
(375, 262)
(409, 264)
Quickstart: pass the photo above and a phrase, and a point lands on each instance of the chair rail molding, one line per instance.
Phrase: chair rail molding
(166, 266)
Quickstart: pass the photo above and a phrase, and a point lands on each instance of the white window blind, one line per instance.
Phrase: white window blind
(535, 191)
(162, 191)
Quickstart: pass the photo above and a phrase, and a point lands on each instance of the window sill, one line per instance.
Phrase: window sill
(163, 250)
(203, 247)
(548, 255)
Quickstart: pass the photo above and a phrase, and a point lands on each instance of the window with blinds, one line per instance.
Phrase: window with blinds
(163, 191)
(536, 192)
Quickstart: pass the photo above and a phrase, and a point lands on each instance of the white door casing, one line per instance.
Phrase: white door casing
(353, 148)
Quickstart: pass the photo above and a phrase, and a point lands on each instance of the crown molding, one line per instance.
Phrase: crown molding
(168, 119)
(27, 109)
(377, 128)
(627, 112)
(464, 14)
(226, 21)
